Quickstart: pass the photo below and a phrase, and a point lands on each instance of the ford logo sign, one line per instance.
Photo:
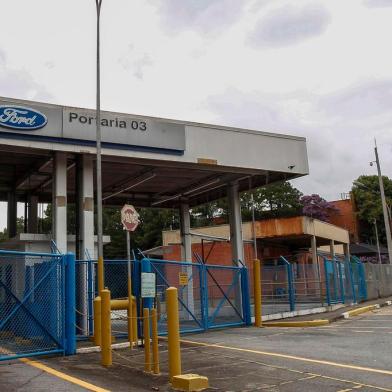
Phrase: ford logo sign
(20, 117)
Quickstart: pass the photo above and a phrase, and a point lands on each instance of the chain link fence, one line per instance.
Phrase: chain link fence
(32, 301)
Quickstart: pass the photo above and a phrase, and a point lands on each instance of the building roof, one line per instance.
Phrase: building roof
(366, 249)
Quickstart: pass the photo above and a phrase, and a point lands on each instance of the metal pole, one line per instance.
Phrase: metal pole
(106, 331)
(257, 291)
(253, 225)
(99, 169)
(384, 208)
(173, 333)
(147, 339)
(378, 243)
(130, 314)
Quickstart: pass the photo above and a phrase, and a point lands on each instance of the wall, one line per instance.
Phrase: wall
(346, 218)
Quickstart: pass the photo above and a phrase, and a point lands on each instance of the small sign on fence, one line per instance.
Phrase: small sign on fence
(183, 278)
(148, 285)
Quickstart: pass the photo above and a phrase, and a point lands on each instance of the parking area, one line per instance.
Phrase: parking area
(348, 355)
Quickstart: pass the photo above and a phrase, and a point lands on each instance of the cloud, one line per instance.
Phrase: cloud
(19, 83)
(202, 16)
(135, 61)
(339, 128)
(289, 25)
(377, 3)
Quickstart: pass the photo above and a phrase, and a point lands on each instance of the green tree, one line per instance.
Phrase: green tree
(147, 235)
(367, 198)
(280, 200)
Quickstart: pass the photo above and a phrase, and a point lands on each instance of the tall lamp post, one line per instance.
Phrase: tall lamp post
(98, 4)
(384, 206)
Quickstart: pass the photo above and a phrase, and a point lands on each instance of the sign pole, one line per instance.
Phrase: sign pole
(130, 313)
(130, 221)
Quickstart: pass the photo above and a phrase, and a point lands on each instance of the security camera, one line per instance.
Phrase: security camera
(291, 167)
(371, 163)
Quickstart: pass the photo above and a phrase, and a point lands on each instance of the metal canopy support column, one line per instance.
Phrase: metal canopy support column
(11, 214)
(237, 246)
(60, 201)
(186, 251)
(32, 214)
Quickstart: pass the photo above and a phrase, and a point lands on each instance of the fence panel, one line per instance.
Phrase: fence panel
(308, 286)
(275, 289)
(32, 304)
(188, 279)
(224, 296)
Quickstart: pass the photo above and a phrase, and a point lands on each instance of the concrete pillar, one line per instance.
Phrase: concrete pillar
(332, 249)
(237, 246)
(60, 201)
(11, 214)
(87, 206)
(32, 214)
(186, 252)
(346, 250)
(313, 244)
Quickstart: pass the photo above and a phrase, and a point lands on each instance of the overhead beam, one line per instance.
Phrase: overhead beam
(36, 169)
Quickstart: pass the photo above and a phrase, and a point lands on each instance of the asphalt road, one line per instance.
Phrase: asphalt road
(349, 355)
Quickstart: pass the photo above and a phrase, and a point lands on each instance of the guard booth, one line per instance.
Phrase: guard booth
(48, 157)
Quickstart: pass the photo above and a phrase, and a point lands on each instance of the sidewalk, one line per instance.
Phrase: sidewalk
(333, 315)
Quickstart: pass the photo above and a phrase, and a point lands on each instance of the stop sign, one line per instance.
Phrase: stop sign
(129, 218)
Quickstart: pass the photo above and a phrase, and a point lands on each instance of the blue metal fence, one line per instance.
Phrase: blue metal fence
(37, 307)
(214, 296)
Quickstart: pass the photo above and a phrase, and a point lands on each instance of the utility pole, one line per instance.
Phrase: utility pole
(101, 286)
(377, 241)
(384, 206)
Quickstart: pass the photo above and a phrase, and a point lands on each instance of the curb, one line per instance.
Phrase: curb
(356, 312)
(309, 323)
(361, 310)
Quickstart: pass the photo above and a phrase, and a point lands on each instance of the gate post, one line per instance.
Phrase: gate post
(327, 281)
(245, 296)
(70, 302)
(257, 292)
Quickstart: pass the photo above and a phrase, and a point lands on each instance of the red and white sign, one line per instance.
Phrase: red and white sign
(129, 218)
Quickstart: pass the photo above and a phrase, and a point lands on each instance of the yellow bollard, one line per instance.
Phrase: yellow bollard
(101, 279)
(173, 332)
(129, 313)
(155, 349)
(134, 322)
(257, 291)
(97, 321)
(146, 334)
(106, 338)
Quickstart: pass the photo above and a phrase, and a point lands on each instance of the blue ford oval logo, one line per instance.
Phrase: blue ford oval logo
(21, 117)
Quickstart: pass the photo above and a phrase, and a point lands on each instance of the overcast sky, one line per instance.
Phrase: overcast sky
(320, 69)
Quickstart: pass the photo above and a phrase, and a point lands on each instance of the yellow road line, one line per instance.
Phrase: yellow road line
(63, 376)
(286, 356)
(350, 389)
(309, 375)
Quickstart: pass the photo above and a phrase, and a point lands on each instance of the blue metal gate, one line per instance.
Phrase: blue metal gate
(36, 304)
(210, 296)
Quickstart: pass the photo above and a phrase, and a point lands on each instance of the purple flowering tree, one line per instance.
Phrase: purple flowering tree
(317, 207)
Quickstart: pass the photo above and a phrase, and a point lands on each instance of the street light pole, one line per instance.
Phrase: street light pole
(98, 4)
(384, 207)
